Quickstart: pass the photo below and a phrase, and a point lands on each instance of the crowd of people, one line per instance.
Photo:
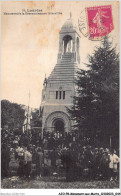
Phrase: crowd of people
(78, 162)
(27, 157)
(90, 163)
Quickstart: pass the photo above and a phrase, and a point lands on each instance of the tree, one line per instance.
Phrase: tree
(12, 117)
(12, 114)
(96, 103)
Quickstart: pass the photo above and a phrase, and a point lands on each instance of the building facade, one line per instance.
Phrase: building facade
(59, 88)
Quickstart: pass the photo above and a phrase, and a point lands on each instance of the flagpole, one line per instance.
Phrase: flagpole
(28, 110)
(110, 141)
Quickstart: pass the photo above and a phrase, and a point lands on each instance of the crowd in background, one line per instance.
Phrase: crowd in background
(91, 163)
(82, 162)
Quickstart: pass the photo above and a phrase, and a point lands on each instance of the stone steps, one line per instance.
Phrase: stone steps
(64, 67)
(67, 69)
(66, 58)
(63, 77)
(61, 72)
(64, 71)
(64, 74)
(60, 81)
(66, 63)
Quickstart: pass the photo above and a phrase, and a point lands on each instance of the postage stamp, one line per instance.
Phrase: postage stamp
(99, 22)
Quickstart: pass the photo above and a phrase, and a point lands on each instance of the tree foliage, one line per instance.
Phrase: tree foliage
(12, 114)
(96, 103)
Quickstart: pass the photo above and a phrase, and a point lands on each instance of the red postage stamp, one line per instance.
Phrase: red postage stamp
(100, 21)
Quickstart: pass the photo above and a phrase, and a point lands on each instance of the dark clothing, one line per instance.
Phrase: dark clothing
(104, 166)
(105, 172)
(69, 164)
(111, 173)
(27, 169)
(21, 168)
(53, 158)
(34, 157)
(5, 159)
(39, 161)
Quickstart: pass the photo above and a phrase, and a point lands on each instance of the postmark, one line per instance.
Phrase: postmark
(96, 22)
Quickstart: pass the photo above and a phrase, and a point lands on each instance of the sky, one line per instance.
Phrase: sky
(29, 45)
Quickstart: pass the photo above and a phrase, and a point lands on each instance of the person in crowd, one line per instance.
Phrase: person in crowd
(68, 163)
(85, 158)
(91, 162)
(20, 157)
(114, 160)
(34, 154)
(97, 161)
(39, 162)
(81, 166)
(28, 161)
(104, 165)
(5, 159)
(20, 152)
(15, 142)
(53, 158)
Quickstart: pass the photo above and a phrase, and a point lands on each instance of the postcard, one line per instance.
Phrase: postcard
(60, 97)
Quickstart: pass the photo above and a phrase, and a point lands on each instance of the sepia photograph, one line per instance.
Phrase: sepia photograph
(60, 95)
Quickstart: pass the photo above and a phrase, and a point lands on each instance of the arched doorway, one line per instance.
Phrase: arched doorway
(50, 122)
(67, 43)
(58, 125)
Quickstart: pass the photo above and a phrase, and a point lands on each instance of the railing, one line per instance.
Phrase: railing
(72, 55)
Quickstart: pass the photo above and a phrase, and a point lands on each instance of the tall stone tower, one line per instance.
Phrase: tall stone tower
(59, 88)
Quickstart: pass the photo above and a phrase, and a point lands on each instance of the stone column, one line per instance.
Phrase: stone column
(71, 45)
(60, 44)
(73, 50)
